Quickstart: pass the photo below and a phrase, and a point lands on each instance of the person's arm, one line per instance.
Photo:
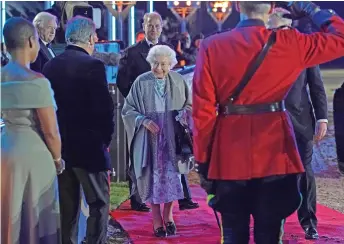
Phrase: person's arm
(123, 75)
(50, 131)
(317, 93)
(110, 59)
(102, 107)
(324, 46)
(203, 106)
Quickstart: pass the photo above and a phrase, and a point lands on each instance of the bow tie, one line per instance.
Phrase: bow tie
(151, 45)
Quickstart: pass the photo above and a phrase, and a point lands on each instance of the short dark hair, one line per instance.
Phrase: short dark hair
(17, 31)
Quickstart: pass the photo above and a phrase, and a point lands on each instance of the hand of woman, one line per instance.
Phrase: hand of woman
(182, 117)
(151, 126)
(59, 165)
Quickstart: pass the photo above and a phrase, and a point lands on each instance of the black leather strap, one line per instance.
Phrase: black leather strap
(253, 67)
(235, 109)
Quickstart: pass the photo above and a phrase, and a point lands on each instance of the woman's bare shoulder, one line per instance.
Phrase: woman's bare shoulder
(13, 73)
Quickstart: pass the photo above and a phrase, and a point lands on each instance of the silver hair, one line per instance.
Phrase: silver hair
(259, 7)
(42, 18)
(151, 15)
(162, 50)
(79, 30)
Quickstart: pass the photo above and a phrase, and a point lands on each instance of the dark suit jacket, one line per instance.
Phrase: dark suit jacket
(132, 64)
(304, 108)
(43, 57)
(85, 108)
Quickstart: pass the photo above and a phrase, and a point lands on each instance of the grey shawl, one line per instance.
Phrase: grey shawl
(138, 103)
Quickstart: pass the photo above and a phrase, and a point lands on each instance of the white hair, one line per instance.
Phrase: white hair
(164, 51)
(42, 18)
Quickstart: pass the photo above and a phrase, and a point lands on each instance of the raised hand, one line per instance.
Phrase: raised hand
(299, 9)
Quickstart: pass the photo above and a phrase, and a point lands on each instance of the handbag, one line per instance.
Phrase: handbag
(184, 148)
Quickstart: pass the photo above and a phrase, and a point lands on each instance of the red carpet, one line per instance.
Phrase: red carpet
(199, 226)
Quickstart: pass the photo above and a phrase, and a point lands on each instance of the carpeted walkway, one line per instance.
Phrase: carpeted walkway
(199, 226)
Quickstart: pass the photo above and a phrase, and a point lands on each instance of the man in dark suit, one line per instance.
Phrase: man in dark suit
(85, 115)
(46, 25)
(306, 102)
(132, 64)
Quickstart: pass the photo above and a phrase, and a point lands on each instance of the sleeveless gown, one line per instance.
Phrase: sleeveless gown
(29, 190)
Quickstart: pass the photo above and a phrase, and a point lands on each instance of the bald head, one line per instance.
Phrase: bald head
(17, 32)
(257, 7)
(153, 15)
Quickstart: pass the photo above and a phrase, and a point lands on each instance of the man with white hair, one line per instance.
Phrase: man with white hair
(46, 25)
(85, 116)
(132, 64)
(304, 107)
(244, 142)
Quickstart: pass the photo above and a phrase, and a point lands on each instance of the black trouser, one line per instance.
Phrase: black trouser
(135, 198)
(307, 210)
(269, 200)
(96, 190)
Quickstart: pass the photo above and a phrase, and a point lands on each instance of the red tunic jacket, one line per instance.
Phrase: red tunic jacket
(254, 146)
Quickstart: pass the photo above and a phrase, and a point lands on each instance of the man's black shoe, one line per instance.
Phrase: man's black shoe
(140, 207)
(188, 204)
(311, 233)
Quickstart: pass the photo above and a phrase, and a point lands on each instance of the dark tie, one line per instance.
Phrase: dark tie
(48, 45)
(150, 46)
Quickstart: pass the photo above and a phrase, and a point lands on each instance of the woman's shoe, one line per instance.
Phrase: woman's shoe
(160, 232)
(171, 228)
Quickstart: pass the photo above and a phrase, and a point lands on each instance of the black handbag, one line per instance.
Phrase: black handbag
(184, 150)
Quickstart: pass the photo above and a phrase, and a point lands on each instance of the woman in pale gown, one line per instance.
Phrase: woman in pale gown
(148, 116)
(30, 144)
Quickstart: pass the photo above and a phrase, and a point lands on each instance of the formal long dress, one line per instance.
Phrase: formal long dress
(167, 185)
(29, 193)
(153, 156)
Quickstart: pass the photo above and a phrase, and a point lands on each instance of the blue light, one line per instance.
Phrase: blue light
(48, 4)
(150, 6)
(3, 17)
(113, 25)
(132, 25)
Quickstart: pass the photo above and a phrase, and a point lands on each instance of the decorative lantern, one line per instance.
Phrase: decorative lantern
(183, 10)
(219, 11)
(119, 10)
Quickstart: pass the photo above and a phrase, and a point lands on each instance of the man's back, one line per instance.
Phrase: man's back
(222, 61)
(85, 108)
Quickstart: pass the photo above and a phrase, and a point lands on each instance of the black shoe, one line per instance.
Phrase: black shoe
(188, 204)
(311, 233)
(160, 232)
(140, 207)
(171, 228)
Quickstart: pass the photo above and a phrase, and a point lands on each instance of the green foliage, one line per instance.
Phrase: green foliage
(119, 192)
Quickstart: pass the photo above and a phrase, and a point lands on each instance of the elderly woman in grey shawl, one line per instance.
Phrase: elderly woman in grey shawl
(148, 116)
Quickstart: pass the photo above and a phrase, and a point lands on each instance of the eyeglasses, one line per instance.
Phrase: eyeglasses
(163, 65)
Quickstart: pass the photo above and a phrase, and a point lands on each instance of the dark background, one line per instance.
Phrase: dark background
(201, 22)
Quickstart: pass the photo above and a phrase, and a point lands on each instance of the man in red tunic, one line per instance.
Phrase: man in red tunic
(254, 163)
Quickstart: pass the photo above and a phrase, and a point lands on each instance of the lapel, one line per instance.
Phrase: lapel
(144, 49)
(45, 51)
